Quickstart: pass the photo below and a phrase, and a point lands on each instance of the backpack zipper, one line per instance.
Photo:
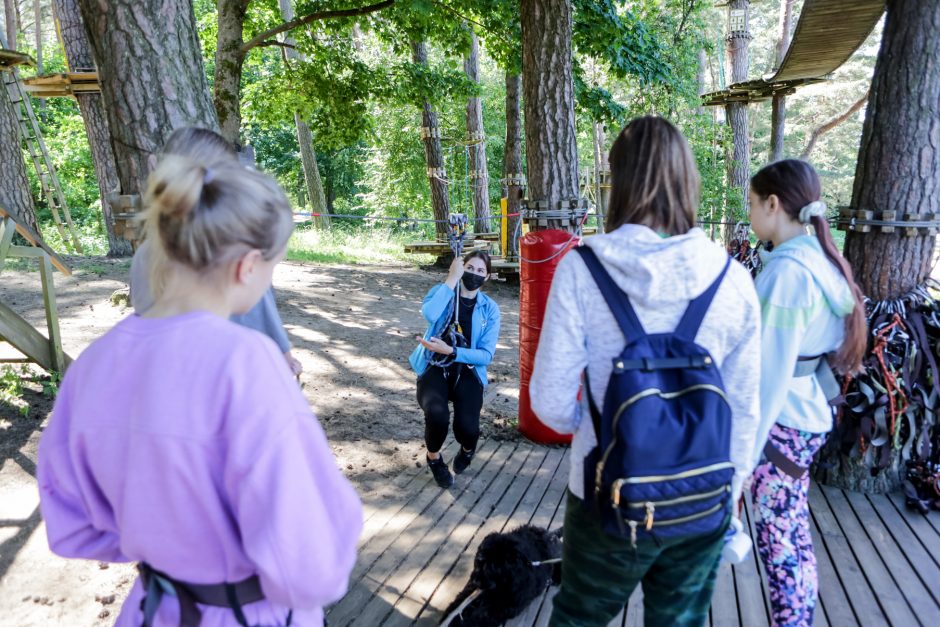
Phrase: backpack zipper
(615, 497)
(631, 401)
(672, 521)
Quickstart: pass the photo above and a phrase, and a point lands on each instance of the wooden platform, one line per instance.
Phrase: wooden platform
(62, 84)
(879, 564)
(443, 248)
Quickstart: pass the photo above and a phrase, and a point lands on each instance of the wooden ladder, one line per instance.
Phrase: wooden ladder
(45, 171)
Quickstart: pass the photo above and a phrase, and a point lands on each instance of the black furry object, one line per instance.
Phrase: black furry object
(507, 576)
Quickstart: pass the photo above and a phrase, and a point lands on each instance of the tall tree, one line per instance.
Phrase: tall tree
(232, 49)
(433, 155)
(152, 78)
(898, 169)
(548, 98)
(476, 137)
(899, 160)
(308, 156)
(513, 172)
(79, 57)
(737, 42)
(9, 17)
(778, 115)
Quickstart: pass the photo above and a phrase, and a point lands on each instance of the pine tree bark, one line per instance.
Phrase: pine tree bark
(9, 14)
(308, 156)
(479, 175)
(152, 78)
(778, 114)
(513, 172)
(79, 56)
(898, 162)
(15, 195)
(548, 98)
(433, 155)
(737, 43)
(229, 60)
(899, 158)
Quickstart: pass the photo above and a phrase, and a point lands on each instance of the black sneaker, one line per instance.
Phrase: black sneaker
(462, 460)
(441, 472)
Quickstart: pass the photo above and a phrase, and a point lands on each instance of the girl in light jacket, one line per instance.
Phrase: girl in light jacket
(812, 316)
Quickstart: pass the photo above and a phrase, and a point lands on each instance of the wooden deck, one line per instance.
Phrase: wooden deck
(878, 563)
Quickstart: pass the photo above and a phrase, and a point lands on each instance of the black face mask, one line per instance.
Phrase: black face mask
(473, 281)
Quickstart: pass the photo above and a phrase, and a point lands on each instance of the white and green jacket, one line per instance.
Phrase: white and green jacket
(803, 298)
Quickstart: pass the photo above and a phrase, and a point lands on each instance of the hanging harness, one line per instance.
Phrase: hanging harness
(231, 595)
(452, 333)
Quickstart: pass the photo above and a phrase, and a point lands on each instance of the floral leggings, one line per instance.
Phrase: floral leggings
(782, 520)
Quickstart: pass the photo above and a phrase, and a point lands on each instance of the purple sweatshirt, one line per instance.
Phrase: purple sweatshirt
(186, 443)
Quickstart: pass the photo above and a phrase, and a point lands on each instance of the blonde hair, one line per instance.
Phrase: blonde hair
(204, 216)
(654, 179)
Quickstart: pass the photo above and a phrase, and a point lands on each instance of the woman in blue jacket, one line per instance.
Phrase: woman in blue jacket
(452, 359)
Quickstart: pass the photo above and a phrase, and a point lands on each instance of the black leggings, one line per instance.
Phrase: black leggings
(466, 392)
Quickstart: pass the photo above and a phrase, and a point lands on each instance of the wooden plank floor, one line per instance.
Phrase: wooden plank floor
(878, 563)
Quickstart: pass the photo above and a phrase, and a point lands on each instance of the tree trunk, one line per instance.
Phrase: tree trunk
(152, 78)
(79, 57)
(897, 168)
(778, 114)
(229, 59)
(548, 98)
(10, 19)
(433, 155)
(308, 156)
(737, 43)
(479, 176)
(308, 159)
(700, 78)
(601, 174)
(899, 156)
(512, 160)
(15, 195)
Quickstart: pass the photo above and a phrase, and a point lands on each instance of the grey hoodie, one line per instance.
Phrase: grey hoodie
(660, 276)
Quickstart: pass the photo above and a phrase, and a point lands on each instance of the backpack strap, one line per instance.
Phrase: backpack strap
(695, 312)
(617, 300)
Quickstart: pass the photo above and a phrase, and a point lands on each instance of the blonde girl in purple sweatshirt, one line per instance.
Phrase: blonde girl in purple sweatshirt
(180, 440)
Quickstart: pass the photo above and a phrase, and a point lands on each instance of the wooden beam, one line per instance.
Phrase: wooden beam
(33, 238)
(24, 338)
(52, 315)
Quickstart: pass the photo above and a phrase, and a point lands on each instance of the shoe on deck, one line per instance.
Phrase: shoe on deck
(441, 472)
(462, 461)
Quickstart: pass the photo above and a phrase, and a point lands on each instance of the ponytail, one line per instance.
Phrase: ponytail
(848, 359)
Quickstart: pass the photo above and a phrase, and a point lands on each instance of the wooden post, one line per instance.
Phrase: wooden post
(7, 229)
(52, 316)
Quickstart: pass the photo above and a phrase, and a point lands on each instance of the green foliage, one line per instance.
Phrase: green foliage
(11, 387)
(339, 245)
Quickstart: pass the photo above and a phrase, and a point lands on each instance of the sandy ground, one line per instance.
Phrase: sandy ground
(352, 328)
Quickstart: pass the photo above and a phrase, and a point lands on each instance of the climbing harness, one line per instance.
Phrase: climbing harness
(231, 595)
(893, 406)
(741, 250)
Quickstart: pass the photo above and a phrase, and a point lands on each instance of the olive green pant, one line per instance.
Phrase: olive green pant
(599, 573)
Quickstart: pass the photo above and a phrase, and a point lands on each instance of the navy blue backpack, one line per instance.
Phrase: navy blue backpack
(662, 466)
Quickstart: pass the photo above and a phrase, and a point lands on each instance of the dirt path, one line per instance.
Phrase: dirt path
(352, 328)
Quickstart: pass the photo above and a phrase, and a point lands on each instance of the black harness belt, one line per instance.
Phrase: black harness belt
(230, 595)
(806, 367)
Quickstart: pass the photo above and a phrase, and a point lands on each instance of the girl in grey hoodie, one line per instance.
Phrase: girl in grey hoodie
(661, 261)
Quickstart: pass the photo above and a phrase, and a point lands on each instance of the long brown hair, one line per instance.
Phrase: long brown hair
(654, 180)
(796, 184)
